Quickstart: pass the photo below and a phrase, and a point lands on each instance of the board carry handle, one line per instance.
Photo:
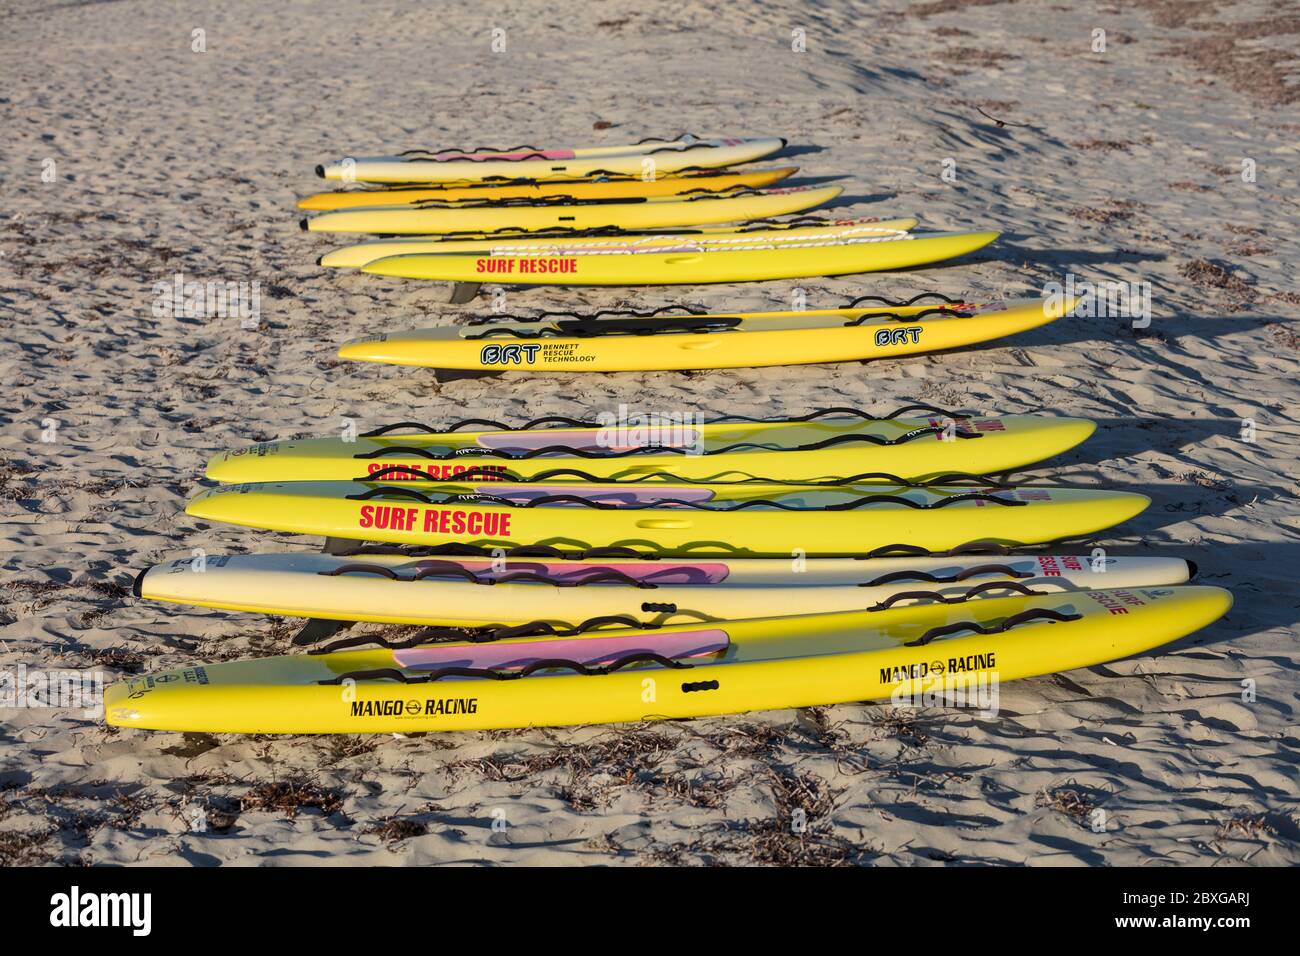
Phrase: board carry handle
(925, 576)
(349, 547)
(561, 199)
(687, 309)
(541, 202)
(493, 154)
(1015, 620)
(663, 310)
(575, 452)
(866, 317)
(390, 673)
(852, 505)
(561, 233)
(483, 473)
(915, 551)
(903, 303)
(584, 328)
(491, 426)
(450, 569)
(940, 598)
(838, 411)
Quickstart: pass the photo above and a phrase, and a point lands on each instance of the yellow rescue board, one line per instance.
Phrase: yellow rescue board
(741, 340)
(707, 237)
(667, 673)
(649, 158)
(689, 264)
(737, 519)
(613, 188)
(485, 592)
(653, 212)
(826, 449)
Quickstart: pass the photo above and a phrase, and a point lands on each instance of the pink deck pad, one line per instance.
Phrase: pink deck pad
(590, 441)
(592, 651)
(652, 572)
(605, 494)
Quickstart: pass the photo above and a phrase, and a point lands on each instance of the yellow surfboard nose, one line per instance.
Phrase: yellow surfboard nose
(1125, 505)
(1068, 433)
(214, 504)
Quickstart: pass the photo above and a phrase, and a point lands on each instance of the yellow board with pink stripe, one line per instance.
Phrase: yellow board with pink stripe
(602, 676)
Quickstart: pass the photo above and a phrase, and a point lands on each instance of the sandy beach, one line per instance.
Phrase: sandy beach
(1168, 158)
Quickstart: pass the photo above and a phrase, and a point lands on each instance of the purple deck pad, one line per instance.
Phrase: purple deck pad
(603, 494)
(592, 651)
(649, 572)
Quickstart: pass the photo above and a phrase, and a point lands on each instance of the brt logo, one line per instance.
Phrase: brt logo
(906, 335)
(509, 354)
